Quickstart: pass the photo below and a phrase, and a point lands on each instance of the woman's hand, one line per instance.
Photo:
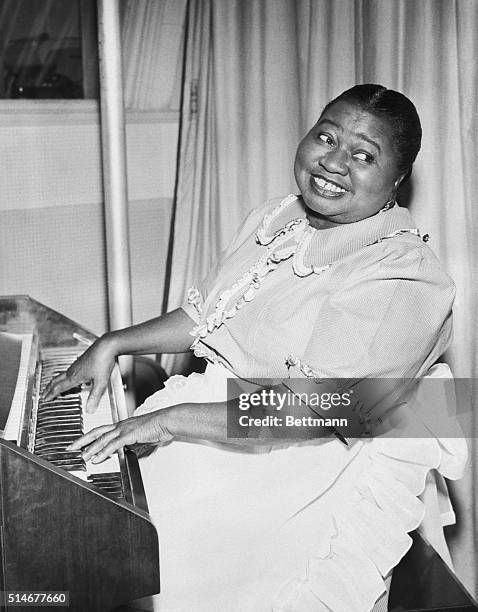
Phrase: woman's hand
(95, 366)
(101, 442)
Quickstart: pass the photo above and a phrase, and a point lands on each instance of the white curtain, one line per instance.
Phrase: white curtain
(152, 49)
(258, 73)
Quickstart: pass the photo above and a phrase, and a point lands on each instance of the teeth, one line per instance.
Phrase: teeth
(328, 186)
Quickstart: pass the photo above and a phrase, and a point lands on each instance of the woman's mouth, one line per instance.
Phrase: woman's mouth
(326, 189)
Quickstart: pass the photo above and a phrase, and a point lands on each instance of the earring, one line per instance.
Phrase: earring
(390, 204)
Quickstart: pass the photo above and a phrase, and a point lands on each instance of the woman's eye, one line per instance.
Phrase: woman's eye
(362, 156)
(326, 138)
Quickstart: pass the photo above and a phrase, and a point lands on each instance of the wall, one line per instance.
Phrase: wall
(51, 219)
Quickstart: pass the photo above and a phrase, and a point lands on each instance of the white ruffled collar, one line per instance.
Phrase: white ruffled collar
(317, 249)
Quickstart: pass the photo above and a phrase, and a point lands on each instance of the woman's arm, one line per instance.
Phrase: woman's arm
(166, 334)
(190, 421)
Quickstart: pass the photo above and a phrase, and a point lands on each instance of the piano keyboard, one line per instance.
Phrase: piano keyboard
(57, 423)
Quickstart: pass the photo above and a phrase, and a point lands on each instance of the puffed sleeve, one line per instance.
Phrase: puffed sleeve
(390, 317)
(386, 324)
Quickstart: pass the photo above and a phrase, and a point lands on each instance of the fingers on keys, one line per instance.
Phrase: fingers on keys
(57, 385)
(99, 443)
(94, 397)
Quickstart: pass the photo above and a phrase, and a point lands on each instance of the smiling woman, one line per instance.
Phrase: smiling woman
(351, 163)
(332, 283)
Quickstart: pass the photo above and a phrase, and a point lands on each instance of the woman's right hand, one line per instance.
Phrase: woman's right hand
(94, 366)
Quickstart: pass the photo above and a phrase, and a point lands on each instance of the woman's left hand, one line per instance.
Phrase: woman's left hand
(103, 441)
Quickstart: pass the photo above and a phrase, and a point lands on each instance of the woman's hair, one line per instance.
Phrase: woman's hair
(397, 110)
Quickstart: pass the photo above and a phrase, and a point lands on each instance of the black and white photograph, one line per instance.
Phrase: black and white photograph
(238, 305)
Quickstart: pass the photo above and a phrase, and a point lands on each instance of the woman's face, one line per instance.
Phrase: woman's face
(345, 167)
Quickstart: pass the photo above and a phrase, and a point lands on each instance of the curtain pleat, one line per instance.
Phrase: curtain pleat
(257, 76)
(151, 37)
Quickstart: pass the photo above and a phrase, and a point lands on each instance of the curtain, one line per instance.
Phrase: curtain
(152, 44)
(257, 74)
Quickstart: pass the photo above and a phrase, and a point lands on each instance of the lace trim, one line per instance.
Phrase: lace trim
(262, 236)
(291, 361)
(195, 299)
(399, 232)
(247, 286)
(298, 265)
(200, 350)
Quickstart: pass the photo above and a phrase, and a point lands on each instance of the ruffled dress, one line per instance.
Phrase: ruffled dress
(314, 525)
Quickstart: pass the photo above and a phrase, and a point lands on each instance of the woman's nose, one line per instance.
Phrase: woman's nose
(335, 161)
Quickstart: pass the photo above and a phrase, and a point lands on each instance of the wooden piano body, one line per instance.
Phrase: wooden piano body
(61, 533)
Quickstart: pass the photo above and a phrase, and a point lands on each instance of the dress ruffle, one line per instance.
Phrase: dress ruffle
(371, 528)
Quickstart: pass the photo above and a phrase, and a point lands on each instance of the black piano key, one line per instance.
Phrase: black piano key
(116, 493)
(116, 490)
(59, 409)
(100, 475)
(60, 401)
(61, 398)
(50, 447)
(66, 412)
(56, 429)
(67, 424)
(106, 477)
(109, 479)
(110, 483)
(69, 465)
(112, 486)
(50, 455)
(72, 391)
(43, 427)
(46, 428)
(61, 418)
(66, 439)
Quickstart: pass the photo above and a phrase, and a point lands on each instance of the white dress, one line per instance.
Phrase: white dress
(314, 526)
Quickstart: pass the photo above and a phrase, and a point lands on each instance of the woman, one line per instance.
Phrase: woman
(333, 283)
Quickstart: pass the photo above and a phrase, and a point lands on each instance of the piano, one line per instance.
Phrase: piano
(66, 526)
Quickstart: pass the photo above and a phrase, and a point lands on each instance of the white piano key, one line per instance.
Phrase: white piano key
(109, 466)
